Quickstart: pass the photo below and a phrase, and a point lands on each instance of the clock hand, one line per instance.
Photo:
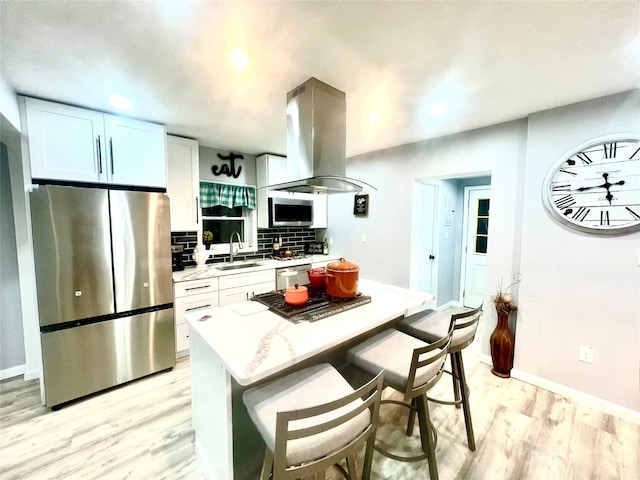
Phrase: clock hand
(606, 185)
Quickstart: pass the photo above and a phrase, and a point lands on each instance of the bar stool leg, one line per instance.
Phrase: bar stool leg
(412, 417)
(267, 465)
(464, 388)
(351, 467)
(426, 435)
(454, 377)
(368, 458)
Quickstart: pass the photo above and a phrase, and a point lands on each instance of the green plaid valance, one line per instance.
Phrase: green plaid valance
(212, 194)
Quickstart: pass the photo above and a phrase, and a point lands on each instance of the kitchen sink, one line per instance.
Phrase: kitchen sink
(236, 266)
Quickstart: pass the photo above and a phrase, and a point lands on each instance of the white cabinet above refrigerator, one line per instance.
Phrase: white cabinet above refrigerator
(74, 144)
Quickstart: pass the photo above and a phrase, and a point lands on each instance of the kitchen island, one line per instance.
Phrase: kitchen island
(239, 345)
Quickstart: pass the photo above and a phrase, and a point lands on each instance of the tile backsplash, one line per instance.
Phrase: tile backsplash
(293, 238)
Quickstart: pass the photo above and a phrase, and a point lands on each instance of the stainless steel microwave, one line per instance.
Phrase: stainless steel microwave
(290, 212)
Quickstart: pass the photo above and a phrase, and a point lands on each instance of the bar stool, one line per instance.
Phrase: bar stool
(411, 367)
(312, 419)
(430, 327)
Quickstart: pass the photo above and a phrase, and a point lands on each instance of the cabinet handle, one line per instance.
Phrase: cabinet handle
(197, 213)
(111, 151)
(197, 308)
(197, 288)
(99, 155)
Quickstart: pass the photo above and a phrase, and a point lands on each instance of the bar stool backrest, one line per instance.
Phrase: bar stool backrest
(423, 357)
(366, 397)
(466, 320)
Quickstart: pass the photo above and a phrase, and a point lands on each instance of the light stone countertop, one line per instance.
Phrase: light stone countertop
(210, 270)
(254, 343)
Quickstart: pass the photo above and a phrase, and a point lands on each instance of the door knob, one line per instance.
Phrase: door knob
(431, 257)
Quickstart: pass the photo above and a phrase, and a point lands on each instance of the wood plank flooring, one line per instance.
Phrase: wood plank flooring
(143, 431)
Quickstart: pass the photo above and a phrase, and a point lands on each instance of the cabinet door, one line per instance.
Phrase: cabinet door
(136, 152)
(319, 211)
(270, 169)
(65, 143)
(183, 166)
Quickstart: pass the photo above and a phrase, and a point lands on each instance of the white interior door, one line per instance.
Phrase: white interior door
(476, 237)
(424, 263)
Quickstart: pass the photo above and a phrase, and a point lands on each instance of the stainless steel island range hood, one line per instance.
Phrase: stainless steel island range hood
(316, 141)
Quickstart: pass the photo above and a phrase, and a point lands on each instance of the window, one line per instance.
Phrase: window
(223, 221)
(482, 227)
(227, 209)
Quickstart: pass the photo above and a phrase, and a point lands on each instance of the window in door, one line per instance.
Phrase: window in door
(482, 225)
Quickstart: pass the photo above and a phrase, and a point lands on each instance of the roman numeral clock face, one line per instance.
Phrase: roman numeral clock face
(596, 188)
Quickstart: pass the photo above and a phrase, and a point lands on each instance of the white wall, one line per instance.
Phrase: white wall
(576, 289)
(497, 151)
(12, 357)
(9, 105)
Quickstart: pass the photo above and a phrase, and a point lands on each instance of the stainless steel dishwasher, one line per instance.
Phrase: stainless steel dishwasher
(292, 275)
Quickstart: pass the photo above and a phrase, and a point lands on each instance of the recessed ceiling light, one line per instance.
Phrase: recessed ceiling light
(239, 59)
(438, 109)
(121, 102)
(374, 116)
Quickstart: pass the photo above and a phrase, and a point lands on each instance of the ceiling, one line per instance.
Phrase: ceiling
(489, 62)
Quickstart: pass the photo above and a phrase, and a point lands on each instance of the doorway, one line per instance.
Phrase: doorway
(424, 267)
(475, 236)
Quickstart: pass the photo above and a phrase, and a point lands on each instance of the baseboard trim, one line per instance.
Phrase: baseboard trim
(572, 394)
(450, 304)
(12, 372)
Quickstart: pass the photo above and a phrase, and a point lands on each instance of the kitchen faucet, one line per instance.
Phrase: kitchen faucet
(231, 244)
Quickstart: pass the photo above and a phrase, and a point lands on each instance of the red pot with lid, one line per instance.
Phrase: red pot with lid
(317, 278)
(296, 295)
(342, 279)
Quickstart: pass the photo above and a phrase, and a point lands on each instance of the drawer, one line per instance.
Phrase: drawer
(183, 331)
(229, 296)
(192, 303)
(245, 279)
(192, 287)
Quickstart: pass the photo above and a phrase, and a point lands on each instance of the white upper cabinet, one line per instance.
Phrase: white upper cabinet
(79, 145)
(136, 152)
(183, 183)
(270, 169)
(319, 210)
(65, 143)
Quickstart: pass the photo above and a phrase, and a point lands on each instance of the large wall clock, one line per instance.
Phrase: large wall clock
(595, 188)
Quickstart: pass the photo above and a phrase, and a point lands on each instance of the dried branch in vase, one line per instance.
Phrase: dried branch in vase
(504, 302)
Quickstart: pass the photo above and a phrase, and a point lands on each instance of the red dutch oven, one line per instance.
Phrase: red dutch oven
(342, 279)
(317, 278)
(298, 295)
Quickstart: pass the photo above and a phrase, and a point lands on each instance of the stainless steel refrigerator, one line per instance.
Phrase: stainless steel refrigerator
(104, 283)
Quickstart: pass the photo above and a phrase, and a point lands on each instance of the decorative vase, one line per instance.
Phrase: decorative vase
(502, 344)
(201, 255)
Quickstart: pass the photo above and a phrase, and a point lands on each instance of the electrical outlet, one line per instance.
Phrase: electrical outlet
(585, 354)
(364, 238)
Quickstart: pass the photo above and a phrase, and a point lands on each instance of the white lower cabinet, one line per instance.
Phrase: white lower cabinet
(190, 296)
(241, 287)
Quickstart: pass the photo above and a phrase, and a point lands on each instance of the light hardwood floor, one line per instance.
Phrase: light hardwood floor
(143, 431)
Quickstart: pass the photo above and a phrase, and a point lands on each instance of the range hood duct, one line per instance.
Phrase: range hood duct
(316, 141)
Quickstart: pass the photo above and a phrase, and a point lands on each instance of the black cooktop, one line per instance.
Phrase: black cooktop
(319, 306)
